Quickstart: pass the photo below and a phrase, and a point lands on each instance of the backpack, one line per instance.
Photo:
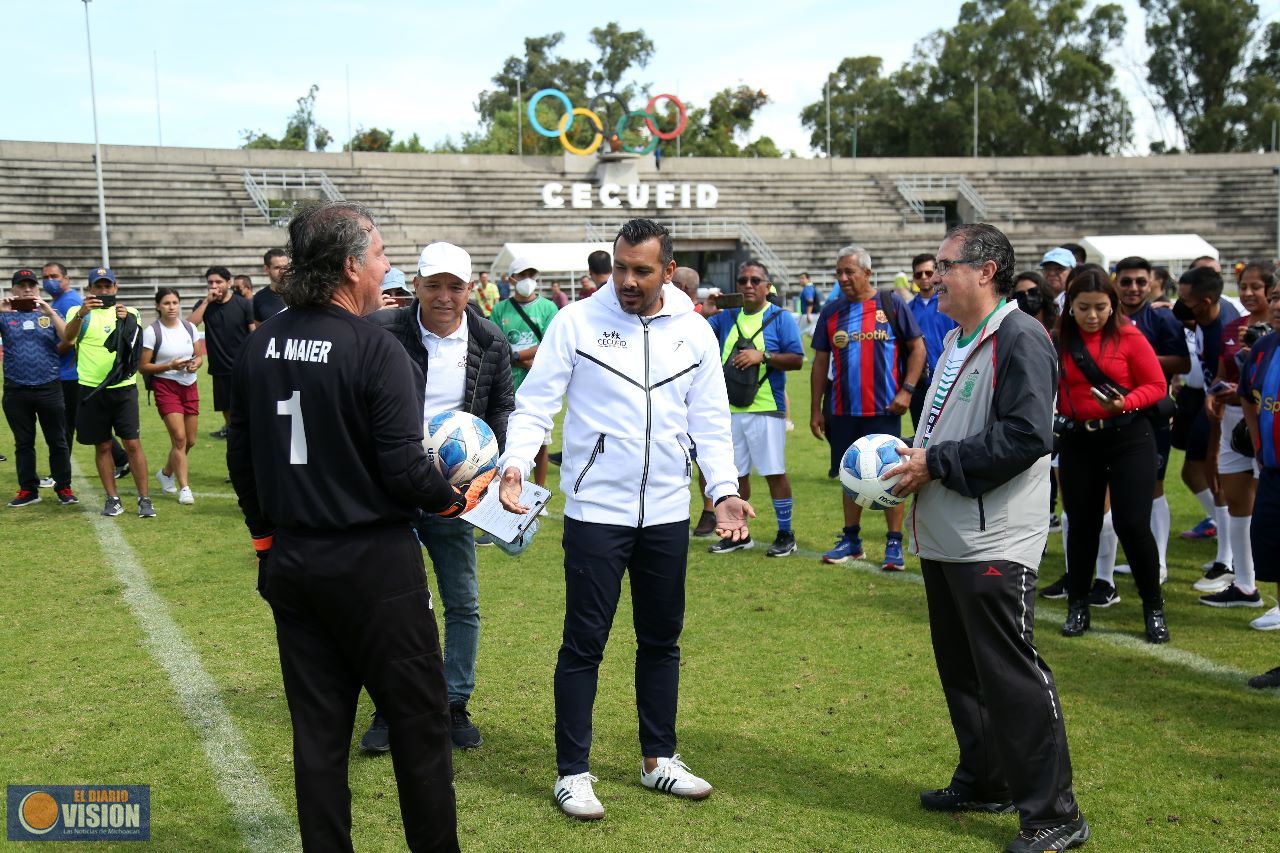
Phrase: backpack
(742, 384)
(157, 331)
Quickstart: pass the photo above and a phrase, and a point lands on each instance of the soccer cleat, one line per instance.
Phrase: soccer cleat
(1071, 834)
(145, 509)
(1206, 529)
(846, 549)
(377, 739)
(893, 561)
(167, 482)
(951, 799)
(1103, 594)
(66, 497)
(1269, 621)
(121, 470)
(728, 546)
(576, 798)
(1057, 589)
(112, 506)
(1216, 578)
(706, 524)
(672, 776)
(464, 732)
(46, 483)
(784, 544)
(556, 458)
(185, 496)
(1157, 629)
(25, 497)
(1077, 619)
(1233, 596)
(1266, 681)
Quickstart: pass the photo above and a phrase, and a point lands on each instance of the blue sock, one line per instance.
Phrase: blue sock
(853, 531)
(782, 509)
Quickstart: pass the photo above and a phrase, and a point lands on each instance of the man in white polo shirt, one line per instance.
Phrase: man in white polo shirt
(466, 363)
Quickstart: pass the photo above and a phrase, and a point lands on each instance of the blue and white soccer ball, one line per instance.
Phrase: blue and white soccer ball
(863, 463)
(461, 445)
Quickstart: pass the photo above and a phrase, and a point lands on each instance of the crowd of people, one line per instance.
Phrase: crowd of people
(1068, 381)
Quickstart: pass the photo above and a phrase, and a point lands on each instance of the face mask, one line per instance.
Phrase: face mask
(1184, 313)
(52, 286)
(1029, 301)
(526, 286)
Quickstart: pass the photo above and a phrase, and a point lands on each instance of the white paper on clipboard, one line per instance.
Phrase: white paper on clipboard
(490, 517)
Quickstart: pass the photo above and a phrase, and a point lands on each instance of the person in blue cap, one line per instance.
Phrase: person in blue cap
(1055, 266)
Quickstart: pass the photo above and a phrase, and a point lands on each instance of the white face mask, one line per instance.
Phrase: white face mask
(526, 286)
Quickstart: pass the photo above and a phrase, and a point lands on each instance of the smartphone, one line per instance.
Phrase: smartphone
(22, 304)
(1106, 392)
(107, 299)
(1221, 387)
(729, 300)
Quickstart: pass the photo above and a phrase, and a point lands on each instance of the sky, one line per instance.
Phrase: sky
(235, 65)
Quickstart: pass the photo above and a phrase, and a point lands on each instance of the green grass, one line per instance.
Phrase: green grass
(809, 696)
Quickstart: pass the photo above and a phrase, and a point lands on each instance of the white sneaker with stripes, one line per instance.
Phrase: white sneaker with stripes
(576, 798)
(672, 776)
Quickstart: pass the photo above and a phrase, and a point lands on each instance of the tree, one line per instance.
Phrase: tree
(372, 139)
(1261, 90)
(301, 132)
(1198, 48)
(713, 131)
(877, 106)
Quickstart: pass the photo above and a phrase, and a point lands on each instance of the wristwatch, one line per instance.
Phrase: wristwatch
(768, 358)
(908, 387)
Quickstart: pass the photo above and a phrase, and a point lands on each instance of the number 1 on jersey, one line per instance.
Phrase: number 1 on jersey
(292, 409)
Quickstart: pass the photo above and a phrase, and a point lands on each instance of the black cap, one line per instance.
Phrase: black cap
(26, 275)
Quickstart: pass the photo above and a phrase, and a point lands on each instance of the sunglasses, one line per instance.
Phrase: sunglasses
(1126, 281)
(751, 279)
(922, 274)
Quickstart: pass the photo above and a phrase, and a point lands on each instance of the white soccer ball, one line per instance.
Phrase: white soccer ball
(863, 463)
(459, 444)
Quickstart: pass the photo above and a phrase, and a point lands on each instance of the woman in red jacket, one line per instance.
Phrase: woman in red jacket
(1110, 376)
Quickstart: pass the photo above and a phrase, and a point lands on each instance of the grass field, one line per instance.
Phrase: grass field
(138, 652)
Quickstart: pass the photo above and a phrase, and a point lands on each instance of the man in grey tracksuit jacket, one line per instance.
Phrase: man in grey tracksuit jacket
(981, 471)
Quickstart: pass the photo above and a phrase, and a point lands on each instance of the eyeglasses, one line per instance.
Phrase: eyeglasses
(1126, 281)
(944, 266)
(922, 274)
(752, 279)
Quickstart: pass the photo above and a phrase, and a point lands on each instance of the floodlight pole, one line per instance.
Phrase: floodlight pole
(351, 147)
(828, 116)
(155, 65)
(975, 116)
(97, 148)
(519, 123)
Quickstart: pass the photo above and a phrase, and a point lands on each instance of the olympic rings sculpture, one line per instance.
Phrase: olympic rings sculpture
(571, 114)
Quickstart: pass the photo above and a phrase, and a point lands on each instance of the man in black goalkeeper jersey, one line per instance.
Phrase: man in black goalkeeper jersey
(325, 452)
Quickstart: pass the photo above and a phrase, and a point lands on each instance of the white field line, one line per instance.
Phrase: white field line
(263, 822)
(1127, 641)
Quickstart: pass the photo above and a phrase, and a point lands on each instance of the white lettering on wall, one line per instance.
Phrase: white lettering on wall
(584, 196)
(551, 195)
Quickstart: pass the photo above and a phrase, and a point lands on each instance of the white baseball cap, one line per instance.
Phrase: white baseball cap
(445, 257)
(520, 265)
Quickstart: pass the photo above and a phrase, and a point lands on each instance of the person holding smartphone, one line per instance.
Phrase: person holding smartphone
(172, 351)
(1110, 377)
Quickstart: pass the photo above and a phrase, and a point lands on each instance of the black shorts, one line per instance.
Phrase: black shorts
(1190, 431)
(844, 430)
(221, 392)
(1164, 446)
(108, 410)
(1264, 533)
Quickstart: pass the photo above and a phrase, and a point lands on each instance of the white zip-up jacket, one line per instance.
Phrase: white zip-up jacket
(640, 394)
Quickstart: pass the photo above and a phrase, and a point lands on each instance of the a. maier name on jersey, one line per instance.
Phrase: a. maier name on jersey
(299, 350)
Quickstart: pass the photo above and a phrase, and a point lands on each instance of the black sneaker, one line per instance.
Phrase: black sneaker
(219, 433)
(145, 509)
(1064, 837)
(1233, 596)
(832, 473)
(950, 799)
(1103, 594)
(1077, 619)
(112, 506)
(1266, 681)
(1057, 589)
(376, 739)
(728, 546)
(25, 497)
(556, 459)
(1157, 630)
(464, 732)
(783, 545)
(706, 524)
(1055, 523)
(122, 470)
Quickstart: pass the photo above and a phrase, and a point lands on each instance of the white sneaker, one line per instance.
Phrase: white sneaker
(47, 483)
(672, 776)
(1216, 579)
(185, 496)
(1123, 569)
(576, 798)
(166, 482)
(1269, 621)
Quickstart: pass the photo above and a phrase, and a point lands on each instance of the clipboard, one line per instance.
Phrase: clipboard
(490, 517)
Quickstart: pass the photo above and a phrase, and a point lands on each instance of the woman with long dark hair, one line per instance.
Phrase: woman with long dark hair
(1110, 376)
(1035, 297)
(172, 350)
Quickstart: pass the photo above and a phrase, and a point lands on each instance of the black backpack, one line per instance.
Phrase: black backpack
(744, 383)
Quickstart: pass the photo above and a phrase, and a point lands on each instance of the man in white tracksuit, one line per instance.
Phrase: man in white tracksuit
(642, 377)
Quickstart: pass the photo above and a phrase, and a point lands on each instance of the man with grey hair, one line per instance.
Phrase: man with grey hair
(868, 354)
(325, 452)
(980, 471)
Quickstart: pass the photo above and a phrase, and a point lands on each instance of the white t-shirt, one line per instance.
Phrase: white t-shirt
(947, 375)
(174, 343)
(446, 369)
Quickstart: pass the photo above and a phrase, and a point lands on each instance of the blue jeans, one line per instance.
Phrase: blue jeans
(450, 543)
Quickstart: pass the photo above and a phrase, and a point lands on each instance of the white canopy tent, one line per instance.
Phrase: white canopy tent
(564, 262)
(1175, 251)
